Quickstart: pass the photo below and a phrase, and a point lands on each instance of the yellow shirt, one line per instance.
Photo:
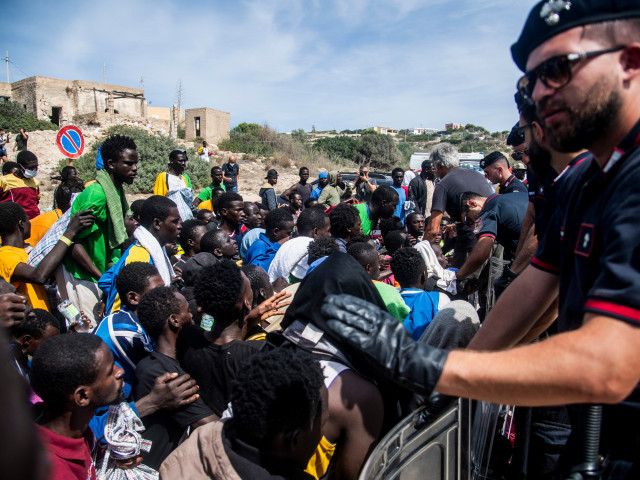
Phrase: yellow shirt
(206, 205)
(42, 223)
(137, 253)
(10, 257)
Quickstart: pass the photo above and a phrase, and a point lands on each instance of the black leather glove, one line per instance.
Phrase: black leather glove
(385, 342)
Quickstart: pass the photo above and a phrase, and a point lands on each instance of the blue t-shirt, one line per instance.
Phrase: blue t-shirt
(423, 305)
(402, 198)
(261, 252)
(248, 239)
(315, 193)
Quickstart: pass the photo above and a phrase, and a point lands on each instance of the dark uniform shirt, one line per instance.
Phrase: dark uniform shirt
(501, 219)
(513, 185)
(592, 243)
(446, 198)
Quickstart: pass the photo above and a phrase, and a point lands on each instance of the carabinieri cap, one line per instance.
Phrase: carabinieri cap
(551, 17)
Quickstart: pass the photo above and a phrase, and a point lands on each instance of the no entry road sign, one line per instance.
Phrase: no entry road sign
(70, 141)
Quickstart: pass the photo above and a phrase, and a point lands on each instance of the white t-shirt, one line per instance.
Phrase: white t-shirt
(176, 182)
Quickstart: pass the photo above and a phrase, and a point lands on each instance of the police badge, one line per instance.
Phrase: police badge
(550, 11)
(478, 226)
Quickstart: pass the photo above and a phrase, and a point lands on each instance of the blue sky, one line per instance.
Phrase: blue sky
(289, 63)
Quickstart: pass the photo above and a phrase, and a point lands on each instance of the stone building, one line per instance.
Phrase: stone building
(67, 101)
(212, 125)
(81, 102)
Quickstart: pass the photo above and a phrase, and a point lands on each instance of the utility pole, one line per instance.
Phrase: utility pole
(7, 66)
(141, 83)
(104, 72)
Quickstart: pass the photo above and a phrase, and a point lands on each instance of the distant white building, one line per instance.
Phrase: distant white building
(421, 130)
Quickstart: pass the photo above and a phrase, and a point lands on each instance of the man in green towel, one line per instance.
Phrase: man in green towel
(98, 248)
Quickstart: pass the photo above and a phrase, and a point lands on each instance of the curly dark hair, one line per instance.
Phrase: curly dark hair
(134, 277)
(61, 364)
(156, 206)
(363, 252)
(310, 219)
(218, 289)
(188, 232)
(136, 208)
(35, 325)
(155, 308)
(343, 217)
(384, 193)
(26, 156)
(11, 213)
(225, 200)
(7, 167)
(212, 240)
(277, 218)
(114, 145)
(389, 225)
(394, 240)
(358, 239)
(277, 392)
(407, 266)
(201, 215)
(321, 247)
(259, 280)
(62, 195)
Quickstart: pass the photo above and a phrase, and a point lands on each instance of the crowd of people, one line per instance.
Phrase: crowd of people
(199, 335)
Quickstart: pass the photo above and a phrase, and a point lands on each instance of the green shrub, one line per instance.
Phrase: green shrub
(153, 154)
(13, 117)
(338, 147)
(379, 152)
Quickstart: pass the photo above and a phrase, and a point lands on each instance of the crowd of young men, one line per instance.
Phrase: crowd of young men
(215, 337)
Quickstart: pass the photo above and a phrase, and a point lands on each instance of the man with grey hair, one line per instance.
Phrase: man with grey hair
(454, 181)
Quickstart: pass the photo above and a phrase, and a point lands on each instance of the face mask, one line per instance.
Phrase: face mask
(29, 173)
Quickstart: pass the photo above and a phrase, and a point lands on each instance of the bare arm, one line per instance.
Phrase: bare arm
(477, 257)
(355, 421)
(517, 310)
(196, 202)
(596, 363)
(81, 257)
(28, 274)
(285, 195)
(527, 243)
(434, 225)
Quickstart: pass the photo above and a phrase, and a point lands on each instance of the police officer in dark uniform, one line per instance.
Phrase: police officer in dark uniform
(496, 169)
(496, 219)
(582, 64)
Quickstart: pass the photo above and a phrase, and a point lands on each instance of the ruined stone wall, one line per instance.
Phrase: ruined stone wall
(77, 97)
(217, 125)
(24, 92)
(214, 124)
(5, 89)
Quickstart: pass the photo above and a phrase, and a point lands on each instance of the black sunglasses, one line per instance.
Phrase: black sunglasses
(521, 129)
(518, 155)
(556, 71)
